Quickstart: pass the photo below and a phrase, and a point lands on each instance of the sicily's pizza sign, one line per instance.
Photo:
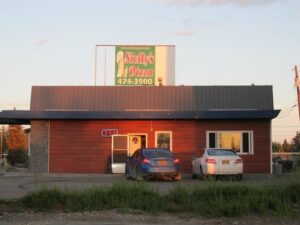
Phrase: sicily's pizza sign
(135, 65)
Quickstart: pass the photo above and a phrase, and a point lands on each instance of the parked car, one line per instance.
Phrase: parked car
(152, 163)
(218, 162)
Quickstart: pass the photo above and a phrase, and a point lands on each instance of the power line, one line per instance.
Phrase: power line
(286, 110)
(288, 105)
(281, 126)
(284, 113)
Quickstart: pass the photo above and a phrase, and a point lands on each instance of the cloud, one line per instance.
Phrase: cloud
(221, 2)
(181, 33)
(42, 42)
(197, 23)
(187, 20)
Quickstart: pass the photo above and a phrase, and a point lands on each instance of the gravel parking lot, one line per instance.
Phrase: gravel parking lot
(15, 183)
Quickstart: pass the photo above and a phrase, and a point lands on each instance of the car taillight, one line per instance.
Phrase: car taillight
(146, 161)
(176, 161)
(209, 160)
(237, 161)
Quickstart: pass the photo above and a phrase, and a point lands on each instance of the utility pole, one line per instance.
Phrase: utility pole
(2, 133)
(96, 63)
(104, 66)
(297, 84)
(96, 56)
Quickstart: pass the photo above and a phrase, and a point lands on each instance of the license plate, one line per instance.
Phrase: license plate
(225, 162)
(162, 163)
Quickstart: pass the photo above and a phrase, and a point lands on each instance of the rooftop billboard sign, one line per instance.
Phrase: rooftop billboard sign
(135, 65)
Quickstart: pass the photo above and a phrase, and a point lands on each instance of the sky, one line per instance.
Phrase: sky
(218, 42)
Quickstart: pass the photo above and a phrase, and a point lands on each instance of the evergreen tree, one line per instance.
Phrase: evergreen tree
(286, 147)
(296, 143)
(3, 137)
(276, 147)
(233, 143)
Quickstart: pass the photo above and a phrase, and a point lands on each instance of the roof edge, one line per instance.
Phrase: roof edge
(27, 115)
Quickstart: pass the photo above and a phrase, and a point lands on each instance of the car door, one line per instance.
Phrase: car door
(136, 161)
(133, 160)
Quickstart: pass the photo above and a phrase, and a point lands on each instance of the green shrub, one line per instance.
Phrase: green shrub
(177, 200)
(210, 201)
(18, 158)
(134, 196)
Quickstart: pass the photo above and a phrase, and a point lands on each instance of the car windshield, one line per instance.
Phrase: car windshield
(151, 153)
(220, 152)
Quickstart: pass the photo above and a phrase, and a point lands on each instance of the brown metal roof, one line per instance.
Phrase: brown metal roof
(157, 98)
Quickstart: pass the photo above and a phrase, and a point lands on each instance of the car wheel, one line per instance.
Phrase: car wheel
(239, 177)
(127, 175)
(201, 174)
(134, 174)
(138, 176)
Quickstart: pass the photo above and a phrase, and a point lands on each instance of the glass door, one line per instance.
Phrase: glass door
(135, 142)
(119, 153)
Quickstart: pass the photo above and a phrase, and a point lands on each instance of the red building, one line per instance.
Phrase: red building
(93, 129)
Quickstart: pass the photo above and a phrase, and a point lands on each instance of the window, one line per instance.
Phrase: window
(119, 148)
(212, 138)
(220, 152)
(163, 139)
(240, 141)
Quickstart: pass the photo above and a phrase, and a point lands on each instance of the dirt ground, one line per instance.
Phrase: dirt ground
(16, 184)
(115, 217)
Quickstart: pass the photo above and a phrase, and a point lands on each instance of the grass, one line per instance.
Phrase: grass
(11, 206)
(213, 200)
(121, 195)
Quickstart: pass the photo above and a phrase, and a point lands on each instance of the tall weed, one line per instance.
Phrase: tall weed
(214, 200)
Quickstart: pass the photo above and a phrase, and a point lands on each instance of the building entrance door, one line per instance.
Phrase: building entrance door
(136, 141)
(119, 153)
(124, 146)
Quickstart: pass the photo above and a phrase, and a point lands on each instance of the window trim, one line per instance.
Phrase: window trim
(171, 138)
(217, 133)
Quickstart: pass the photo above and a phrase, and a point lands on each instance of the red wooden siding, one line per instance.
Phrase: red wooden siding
(77, 146)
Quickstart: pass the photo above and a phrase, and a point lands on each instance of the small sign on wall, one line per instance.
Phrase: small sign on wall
(108, 132)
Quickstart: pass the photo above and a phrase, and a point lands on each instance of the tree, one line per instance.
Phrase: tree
(3, 140)
(286, 147)
(232, 143)
(295, 146)
(16, 138)
(276, 147)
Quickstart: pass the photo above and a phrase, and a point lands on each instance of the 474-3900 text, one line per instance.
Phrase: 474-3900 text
(135, 81)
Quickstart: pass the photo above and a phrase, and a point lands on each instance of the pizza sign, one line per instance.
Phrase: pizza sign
(135, 66)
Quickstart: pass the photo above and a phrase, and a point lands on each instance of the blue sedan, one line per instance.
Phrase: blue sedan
(152, 163)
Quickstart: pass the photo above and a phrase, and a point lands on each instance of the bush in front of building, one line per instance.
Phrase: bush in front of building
(17, 158)
(210, 201)
(134, 196)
